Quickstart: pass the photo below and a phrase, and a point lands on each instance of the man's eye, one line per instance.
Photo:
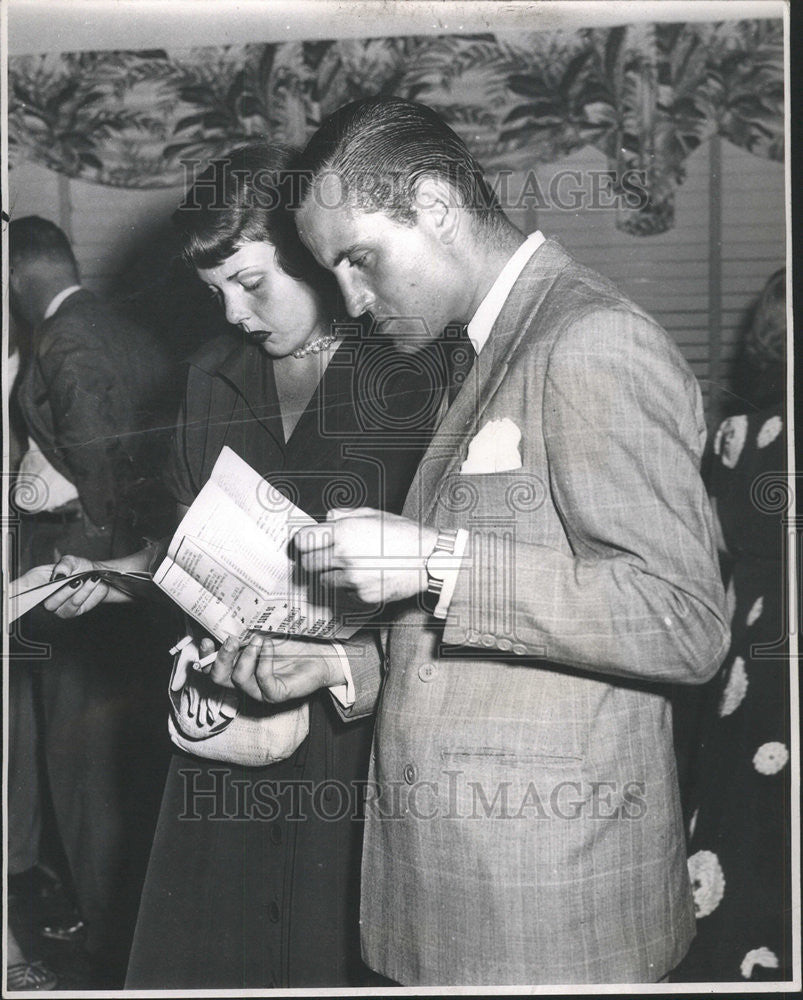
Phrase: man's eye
(358, 261)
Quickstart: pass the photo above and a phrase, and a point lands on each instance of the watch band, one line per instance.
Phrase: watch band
(445, 543)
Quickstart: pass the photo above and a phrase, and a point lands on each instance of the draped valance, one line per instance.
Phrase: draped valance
(645, 95)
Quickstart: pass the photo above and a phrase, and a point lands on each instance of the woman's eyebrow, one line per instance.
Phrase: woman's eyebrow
(239, 271)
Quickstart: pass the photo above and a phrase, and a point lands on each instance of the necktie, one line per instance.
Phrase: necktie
(459, 358)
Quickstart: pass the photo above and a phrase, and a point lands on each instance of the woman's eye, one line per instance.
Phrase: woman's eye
(252, 285)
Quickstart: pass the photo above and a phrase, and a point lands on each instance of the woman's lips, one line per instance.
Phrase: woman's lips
(258, 336)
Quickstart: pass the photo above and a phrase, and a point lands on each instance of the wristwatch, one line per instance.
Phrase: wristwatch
(439, 561)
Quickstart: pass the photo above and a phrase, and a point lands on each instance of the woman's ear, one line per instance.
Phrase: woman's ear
(437, 202)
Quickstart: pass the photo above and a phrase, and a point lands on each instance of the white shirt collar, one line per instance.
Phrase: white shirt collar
(479, 329)
(56, 301)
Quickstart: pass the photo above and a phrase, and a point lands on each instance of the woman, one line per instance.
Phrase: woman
(238, 896)
(739, 797)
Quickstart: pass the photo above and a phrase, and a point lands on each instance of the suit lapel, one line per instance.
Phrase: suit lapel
(447, 449)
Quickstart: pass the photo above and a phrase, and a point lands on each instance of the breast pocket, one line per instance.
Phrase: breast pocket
(505, 496)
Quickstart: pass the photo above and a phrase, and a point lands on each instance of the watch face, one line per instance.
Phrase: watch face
(439, 562)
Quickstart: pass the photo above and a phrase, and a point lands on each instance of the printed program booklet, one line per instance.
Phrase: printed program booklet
(228, 564)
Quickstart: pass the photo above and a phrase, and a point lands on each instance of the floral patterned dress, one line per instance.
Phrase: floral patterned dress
(740, 829)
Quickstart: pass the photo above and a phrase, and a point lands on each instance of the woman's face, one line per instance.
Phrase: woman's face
(276, 311)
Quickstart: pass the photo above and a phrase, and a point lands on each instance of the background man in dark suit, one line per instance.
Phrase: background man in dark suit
(92, 391)
(554, 570)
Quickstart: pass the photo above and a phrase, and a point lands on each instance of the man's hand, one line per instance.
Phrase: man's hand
(377, 556)
(275, 668)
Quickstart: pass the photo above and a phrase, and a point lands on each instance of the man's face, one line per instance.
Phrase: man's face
(383, 267)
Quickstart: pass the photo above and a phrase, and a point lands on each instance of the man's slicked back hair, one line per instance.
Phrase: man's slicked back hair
(32, 239)
(381, 147)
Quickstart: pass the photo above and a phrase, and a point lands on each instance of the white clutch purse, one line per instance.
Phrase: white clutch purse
(221, 724)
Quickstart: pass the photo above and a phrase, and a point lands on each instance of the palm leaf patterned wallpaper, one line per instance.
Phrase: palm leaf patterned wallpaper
(645, 95)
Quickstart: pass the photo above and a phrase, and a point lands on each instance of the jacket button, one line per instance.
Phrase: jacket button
(487, 639)
(273, 912)
(505, 644)
(276, 834)
(409, 773)
(519, 648)
(472, 635)
(427, 671)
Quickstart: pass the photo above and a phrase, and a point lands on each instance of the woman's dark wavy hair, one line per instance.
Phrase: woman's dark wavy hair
(240, 198)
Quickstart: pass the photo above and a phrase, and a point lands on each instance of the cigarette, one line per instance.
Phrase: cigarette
(205, 661)
(180, 644)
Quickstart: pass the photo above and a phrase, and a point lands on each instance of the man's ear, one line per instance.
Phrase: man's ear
(438, 203)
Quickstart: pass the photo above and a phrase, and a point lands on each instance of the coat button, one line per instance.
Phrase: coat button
(472, 635)
(427, 671)
(409, 773)
(487, 639)
(274, 912)
(519, 648)
(276, 834)
(505, 644)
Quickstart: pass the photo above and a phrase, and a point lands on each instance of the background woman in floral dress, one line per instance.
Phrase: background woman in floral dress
(739, 799)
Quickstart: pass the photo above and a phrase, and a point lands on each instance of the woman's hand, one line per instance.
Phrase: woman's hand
(80, 596)
(36, 577)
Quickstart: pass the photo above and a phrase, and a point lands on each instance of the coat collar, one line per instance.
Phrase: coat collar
(515, 321)
(45, 332)
(56, 301)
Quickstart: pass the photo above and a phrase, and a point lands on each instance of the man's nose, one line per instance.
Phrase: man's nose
(356, 297)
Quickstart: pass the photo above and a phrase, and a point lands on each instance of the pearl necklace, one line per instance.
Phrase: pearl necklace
(315, 346)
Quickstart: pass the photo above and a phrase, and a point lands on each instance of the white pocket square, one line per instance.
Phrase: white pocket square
(494, 448)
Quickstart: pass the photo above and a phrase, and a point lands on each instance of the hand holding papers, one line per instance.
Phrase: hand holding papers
(228, 564)
(35, 586)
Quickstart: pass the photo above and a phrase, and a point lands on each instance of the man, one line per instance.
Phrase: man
(554, 570)
(92, 383)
